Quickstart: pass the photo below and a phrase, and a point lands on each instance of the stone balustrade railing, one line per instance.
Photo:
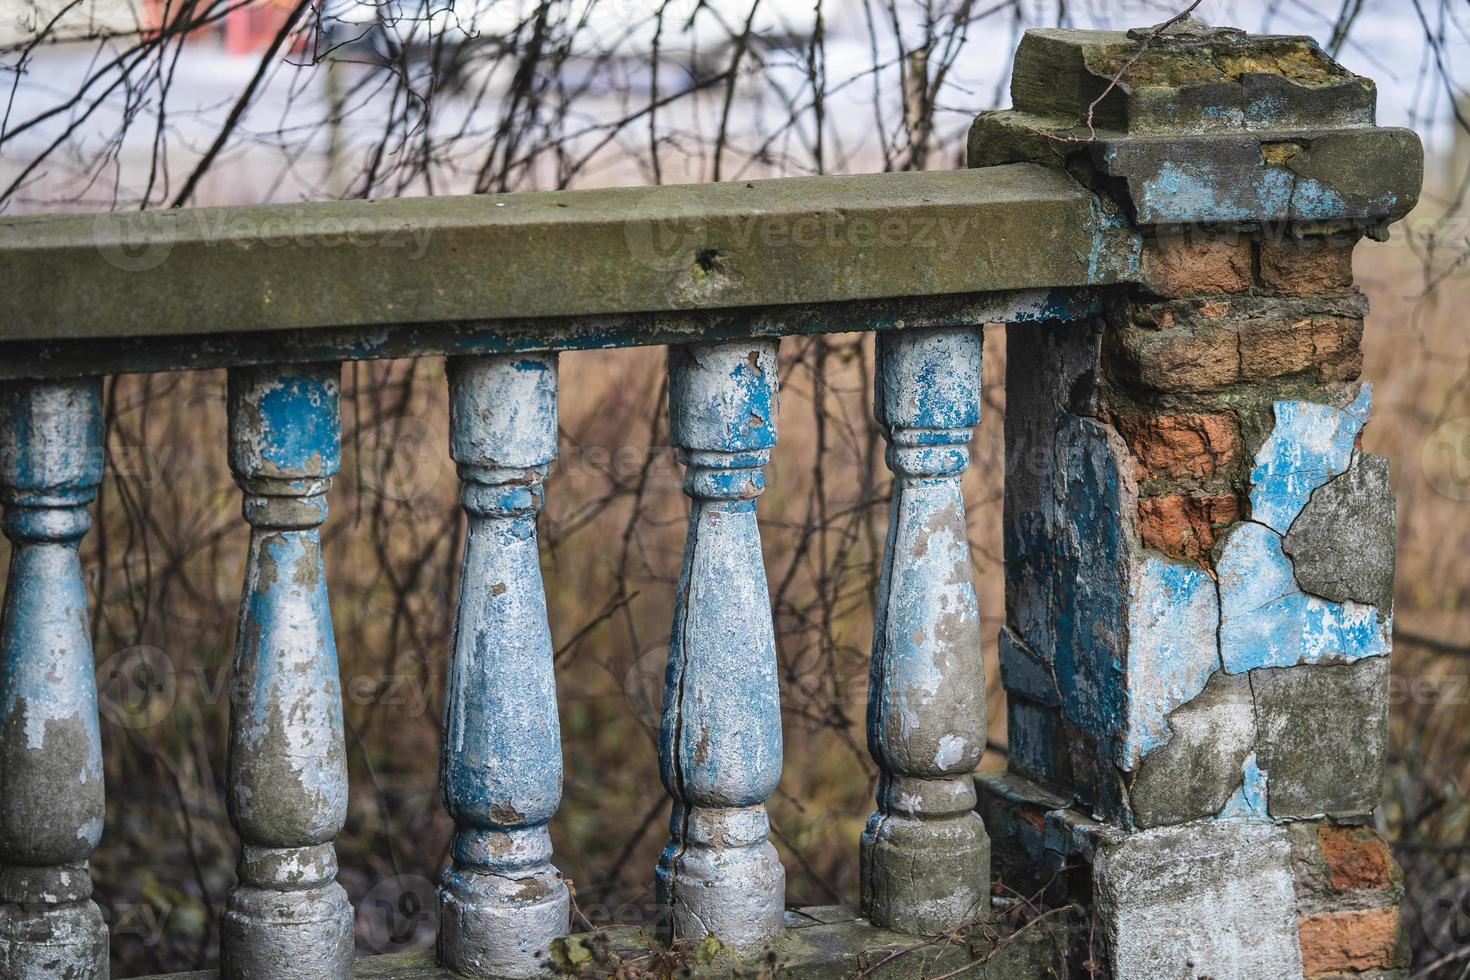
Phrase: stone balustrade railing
(1197, 590)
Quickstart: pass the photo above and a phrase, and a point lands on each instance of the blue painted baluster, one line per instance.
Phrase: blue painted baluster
(501, 903)
(925, 854)
(288, 918)
(720, 742)
(51, 797)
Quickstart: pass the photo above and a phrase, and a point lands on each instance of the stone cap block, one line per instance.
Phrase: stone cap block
(1189, 79)
(1205, 125)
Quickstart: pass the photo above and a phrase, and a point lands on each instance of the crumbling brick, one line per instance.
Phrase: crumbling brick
(1204, 353)
(1182, 445)
(1194, 358)
(1192, 266)
(1356, 856)
(1184, 526)
(1301, 267)
(1357, 939)
(1277, 348)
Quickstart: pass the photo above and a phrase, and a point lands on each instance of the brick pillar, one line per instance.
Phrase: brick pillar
(1199, 555)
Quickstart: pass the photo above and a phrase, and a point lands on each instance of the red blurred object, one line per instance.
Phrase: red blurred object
(246, 29)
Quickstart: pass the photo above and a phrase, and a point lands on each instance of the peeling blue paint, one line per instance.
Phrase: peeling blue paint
(1310, 444)
(1198, 192)
(1311, 200)
(1249, 801)
(1116, 253)
(299, 423)
(1172, 615)
(1266, 620)
(1025, 672)
(1091, 605)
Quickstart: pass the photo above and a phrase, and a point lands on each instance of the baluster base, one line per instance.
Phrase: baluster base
(66, 941)
(922, 876)
(287, 935)
(494, 925)
(723, 879)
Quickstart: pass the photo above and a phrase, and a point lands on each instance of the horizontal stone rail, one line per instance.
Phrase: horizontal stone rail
(1199, 555)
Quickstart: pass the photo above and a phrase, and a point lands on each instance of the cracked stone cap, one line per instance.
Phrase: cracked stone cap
(1206, 124)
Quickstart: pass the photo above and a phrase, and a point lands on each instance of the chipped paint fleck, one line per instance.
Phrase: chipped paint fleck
(1249, 801)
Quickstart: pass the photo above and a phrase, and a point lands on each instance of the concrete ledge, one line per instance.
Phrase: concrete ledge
(553, 254)
(81, 357)
(818, 943)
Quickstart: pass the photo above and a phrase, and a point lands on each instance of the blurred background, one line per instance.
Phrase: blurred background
(129, 104)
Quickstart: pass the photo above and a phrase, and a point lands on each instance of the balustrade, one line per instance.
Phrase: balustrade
(51, 793)
(501, 903)
(720, 739)
(925, 856)
(1122, 656)
(287, 917)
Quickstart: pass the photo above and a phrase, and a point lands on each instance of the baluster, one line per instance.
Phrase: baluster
(51, 795)
(287, 918)
(501, 903)
(925, 853)
(720, 741)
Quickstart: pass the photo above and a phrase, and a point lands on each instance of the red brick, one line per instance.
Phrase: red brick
(1182, 359)
(1356, 856)
(1186, 266)
(1328, 345)
(1184, 445)
(1183, 526)
(1353, 940)
(1292, 267)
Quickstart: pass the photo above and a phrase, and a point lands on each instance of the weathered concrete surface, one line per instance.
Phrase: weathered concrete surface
(1323, 737)
(501, 904)
(565, 253)
(1192, 79)
(1207, 125)
(61, 358)
(1198, 769)
(1206, 899)
(821, 943)
(925, 854)
(1342, 543)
